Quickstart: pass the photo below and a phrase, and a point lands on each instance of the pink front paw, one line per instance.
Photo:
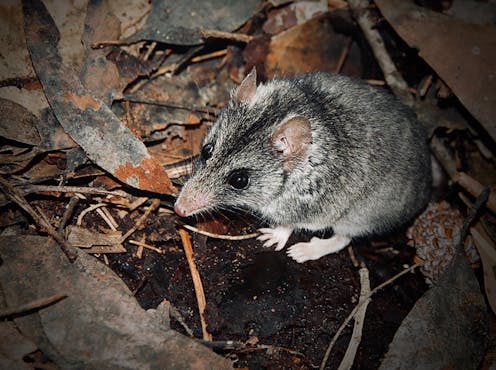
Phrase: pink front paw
(278, 236)
(316, 248)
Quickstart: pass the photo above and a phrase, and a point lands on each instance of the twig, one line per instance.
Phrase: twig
(139, 252)
(359, 318)
(155, 204)
(444, 156)
(138, 202)
(147, 246)
(17, 197)
(31, 188)
(171, 68)
(240, 346)
(150, 50)
(376, 82)
(353, 258)
(84, 212)
(424, 86)
(239, 37)
(33, 305)
(474, 211)
(343, 55)
(195, 275)
(218, 236)
(191, 108)
(475, 188)
(215, 54)
(357, 307)
(67, 214)
(109, 219)
(391, 74)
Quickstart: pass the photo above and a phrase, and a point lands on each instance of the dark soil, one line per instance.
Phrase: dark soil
(263, 296)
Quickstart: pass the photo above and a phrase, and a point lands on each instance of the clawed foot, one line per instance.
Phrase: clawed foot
(316, 248)
(278, 236)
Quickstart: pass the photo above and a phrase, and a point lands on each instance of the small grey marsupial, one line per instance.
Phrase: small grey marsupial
(314, 151)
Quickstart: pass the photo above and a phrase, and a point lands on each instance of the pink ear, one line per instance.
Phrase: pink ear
(247, 89)
(292, 139)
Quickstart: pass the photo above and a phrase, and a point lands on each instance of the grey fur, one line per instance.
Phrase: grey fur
(368, 169)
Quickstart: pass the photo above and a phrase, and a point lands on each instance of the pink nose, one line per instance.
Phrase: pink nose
(179, 210)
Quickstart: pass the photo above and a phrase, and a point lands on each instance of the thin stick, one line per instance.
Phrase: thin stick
(191, 108)
(443, 156)
(218, 236)
(353, 258)
(147, 246)
(240, 37)
(33, 305)
(84, 212)
(244, 347)
(391, 74)
(475, 188)
(343, 55)
(109, 219)
(479, 203)
(139, 252)
(30, 188)
(155, 204)
(215, 54)
(138, 202)
(17, 197)
(67, 214)
(357, 307)
(150, 50)
(376, 82)
(359, 318)
(195, 275)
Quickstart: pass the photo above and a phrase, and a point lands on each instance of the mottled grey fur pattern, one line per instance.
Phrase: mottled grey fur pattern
(368, 167)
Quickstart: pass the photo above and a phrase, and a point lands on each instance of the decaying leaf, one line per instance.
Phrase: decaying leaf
(99, 325)
(464, 55)
(98, 74)
(293, 14)
(18, 127)
(94, 242)
(310, 46)
(447, 327)
(88, 120)
(179, 22)
(13, 347)
(17, 123)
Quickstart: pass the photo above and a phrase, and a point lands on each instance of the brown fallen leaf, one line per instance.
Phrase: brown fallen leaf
(17, 123)
(100, 325)
(94, 242)
(13, 347)
(310, 46)
(464, 55)
(90, 122)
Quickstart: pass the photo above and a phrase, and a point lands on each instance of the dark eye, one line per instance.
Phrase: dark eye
(239, 179)
(206, 151)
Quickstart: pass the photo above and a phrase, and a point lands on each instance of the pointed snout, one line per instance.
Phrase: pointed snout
(180, 210)
(192, 201)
